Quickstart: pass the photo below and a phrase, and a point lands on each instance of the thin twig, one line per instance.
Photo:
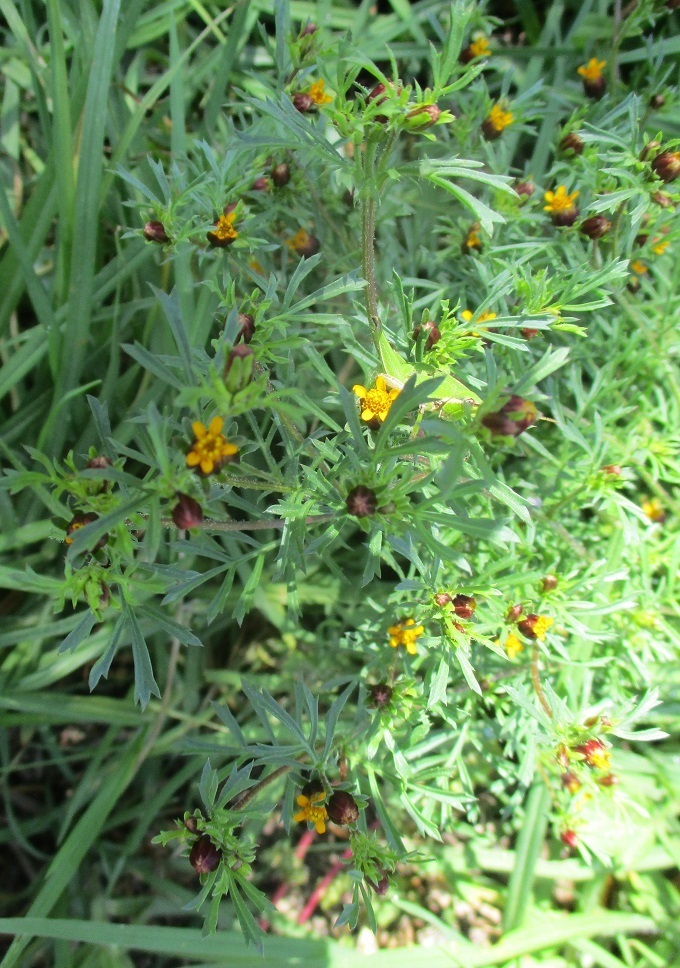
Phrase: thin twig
(254, 791)
(536, 679)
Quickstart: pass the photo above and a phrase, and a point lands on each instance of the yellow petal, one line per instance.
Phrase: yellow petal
(229, 449)
(299, 817)
(411, 648)
(193, 458)
(367, 415)
(380, 384)
(466, 315)
(302, 800)
(215, 425)
(198, 429)
(320, 827)
(360, 391)
(207, 465)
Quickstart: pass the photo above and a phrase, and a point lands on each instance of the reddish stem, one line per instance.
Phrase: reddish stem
(319, 891)
(305, 842)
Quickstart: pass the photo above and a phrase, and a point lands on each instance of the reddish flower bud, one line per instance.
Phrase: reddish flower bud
(309, 247)
(191, 823)
(490, 131)
(375, 93)
(661, 199)
(572, 142)
(595, 88)
(379, 94)
(98, 463)
(187, 513)
(361, 501)
(667, 165)
(549, 583)
(308, 30)
(649, 149)
(260, 185)
(281, 174)
(657, 101)
(342, 808)
(569, 838)
(614, 470)
(247, 327)
(303, 102)
(525, 189)
(609, 780)
(529, 333)
(204, 856)
(464, 606)
(381, 887)
(155, 232)
(595, 753)
(570, 782)
(422, 116)
(513, 418)
(595, 227)
(432, 331)
(513, 613)
(442, 599)
(566, 217)
(381, 694)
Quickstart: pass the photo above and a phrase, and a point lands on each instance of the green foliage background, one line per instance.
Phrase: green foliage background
(109, 707)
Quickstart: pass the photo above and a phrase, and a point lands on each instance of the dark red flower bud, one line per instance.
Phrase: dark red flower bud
(525, 188)
(595, 88)
(342, 808)
(379, 94)
(490, 131)
(534, 626)
(303, 102)
(572, 142)
(260, 185)
(565, 218)
(595, 227)
(98, 463)
(376, 92)
(155, 232)
(281, 174)
(204, 856)
(667, 165)
(382, 887)
(569, 838)
(79, 521)
(308, 30)
(529, 333)
(661, 199)
(187, 513)
(549, 583)
(432, 330)
(513, 613)
(641, 239)
(649, 149)
(464, 606)
(657, 101)
(610, 780)
(381, 694)
(191, 823)
(361, 501)
(246, 324)
(442, 599)
(513, 418)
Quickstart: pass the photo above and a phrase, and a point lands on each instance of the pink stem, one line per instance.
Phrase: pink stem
(305, 842)
(321, 888)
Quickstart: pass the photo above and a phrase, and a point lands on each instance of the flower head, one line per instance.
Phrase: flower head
(405, 633)
(559, 201)
(480, 47)
(377, 401)
(224, 232)
(592, 71)
(187, 513)
(312, 810)
(513, 645)
(660, 247)
(497, 120)
(535, 626)
(210, 448)
(513, 418)
(595, 754)
(303, 243)
(486, 317)
(638, 267)
(653, 508)
(361, 501)
(317, 94)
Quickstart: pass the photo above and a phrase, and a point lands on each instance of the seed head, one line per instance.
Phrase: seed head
(361, 501)
(380, 694)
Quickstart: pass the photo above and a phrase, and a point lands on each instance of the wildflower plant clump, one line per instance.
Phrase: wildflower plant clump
(340, 473)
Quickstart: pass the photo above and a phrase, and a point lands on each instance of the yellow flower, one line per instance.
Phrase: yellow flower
(312, 811)
(210, 448)
(484, 318)
(592, 71)
(535, 626)
(653, 508)
(559, 201)
(639, 268)
(224, 230)
(480, 47)
(405, 633)
(499, 118)
(376, 401)
(513, 646)
(660, 248)
(316, 92)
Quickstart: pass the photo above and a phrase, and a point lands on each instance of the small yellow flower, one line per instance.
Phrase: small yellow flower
(639, 268)
(653, 508)
(535, 626)
(312, 811)
(377, 401)
(405, 633)
(473, 240)
(480, 47)
(486, 317)
(316, 92)
(660, 248)
(224, 230)
(210, 448)
(559, 201)
(499, 118)
(592, 71)
(513, 646)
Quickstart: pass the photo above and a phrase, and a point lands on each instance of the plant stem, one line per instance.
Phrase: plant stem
(254, 791)
(536, 679)
(368, 265)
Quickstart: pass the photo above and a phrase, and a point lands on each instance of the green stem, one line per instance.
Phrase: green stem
(368, 265)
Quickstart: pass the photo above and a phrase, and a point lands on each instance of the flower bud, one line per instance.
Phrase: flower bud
(594, 752)
(303, 102)
(381, 694)
(432, 330)
(490, 131)
(513, 418)
(566, 217)
(594, 88)
(595, 227)
(260, 185)
(308, 30)
(570, 782)
(613, 470)
(342, 808)
(361, 502)
(569, 838)
(187, 513)
(667, 165)
(657, 101)
(309, 247)
(609, 780)
(281, 174)
(379, 94)
(513, 613)
(98, 463)
(572, 142)
(673, 4)
(525, 189)
(529, 333)
(204, 856)
(238, 370)
(155, 232)
(649, 149)
(549, 583)
(534, 626)
(464, 606)
(191, 823)
(661, 199)
(381, 887)
(422, 116)
(442, 599)
(246, 324)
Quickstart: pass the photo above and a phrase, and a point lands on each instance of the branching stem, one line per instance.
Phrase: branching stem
(536, 679)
